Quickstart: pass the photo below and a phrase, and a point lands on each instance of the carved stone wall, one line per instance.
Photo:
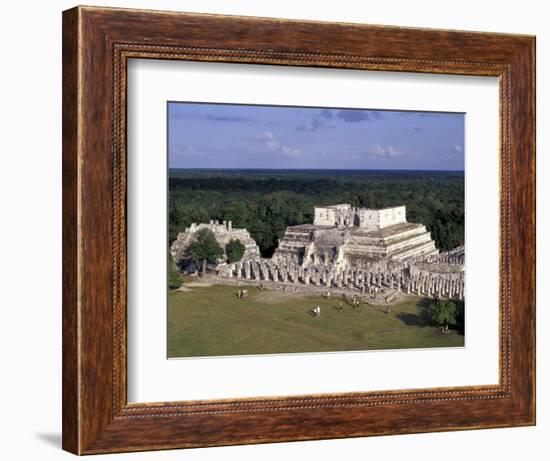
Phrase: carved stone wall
(344, 215)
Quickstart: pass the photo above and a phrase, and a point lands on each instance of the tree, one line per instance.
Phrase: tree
(444, 313)
(234, 250)
(174, 277)
(174, 220)
(205, 248)
(265, 203)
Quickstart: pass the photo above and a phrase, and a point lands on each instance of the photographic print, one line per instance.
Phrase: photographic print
(313, 229)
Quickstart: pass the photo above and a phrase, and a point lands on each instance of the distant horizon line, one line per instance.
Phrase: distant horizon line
(314, 169)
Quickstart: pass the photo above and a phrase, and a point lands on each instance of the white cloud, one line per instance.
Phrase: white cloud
(392, 151)
(290, 151)
(267, 142)
(454, 151)
(265, 136)
(386, 152)
(185, 151)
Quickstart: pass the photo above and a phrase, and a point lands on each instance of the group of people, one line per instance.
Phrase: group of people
(241, 294)
(354, 301)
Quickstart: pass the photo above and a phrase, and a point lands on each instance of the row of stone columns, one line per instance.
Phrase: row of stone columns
(430, 285)
(423, 284)
(453, 257)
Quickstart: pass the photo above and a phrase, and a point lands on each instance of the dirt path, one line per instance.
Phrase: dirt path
(198, 284)
(276, 297)
(187, 286)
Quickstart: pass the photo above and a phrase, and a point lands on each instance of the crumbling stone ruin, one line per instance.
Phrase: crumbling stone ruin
(347, 249)
(347, 237)
(420, 278)
(223, 232)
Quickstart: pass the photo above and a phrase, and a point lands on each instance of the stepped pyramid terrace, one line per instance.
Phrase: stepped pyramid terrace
(348, 237)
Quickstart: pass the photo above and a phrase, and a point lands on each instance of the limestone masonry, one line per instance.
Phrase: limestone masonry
(347, 237)
(223, 232)
(354, 249)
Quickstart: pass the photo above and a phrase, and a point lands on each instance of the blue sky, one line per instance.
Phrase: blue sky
(202, 135)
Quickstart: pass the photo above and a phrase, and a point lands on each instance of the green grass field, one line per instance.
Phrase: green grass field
(211, 321)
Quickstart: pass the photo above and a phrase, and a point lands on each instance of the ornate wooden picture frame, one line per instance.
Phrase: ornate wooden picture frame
(97, 44)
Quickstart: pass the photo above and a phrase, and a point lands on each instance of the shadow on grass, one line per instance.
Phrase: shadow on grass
(345, 308)
(422, 319)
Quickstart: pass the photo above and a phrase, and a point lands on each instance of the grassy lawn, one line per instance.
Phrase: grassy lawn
(210, 321)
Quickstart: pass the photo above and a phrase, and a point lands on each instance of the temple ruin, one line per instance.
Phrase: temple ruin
(223, 231)
(345, 249)
(344, 237)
